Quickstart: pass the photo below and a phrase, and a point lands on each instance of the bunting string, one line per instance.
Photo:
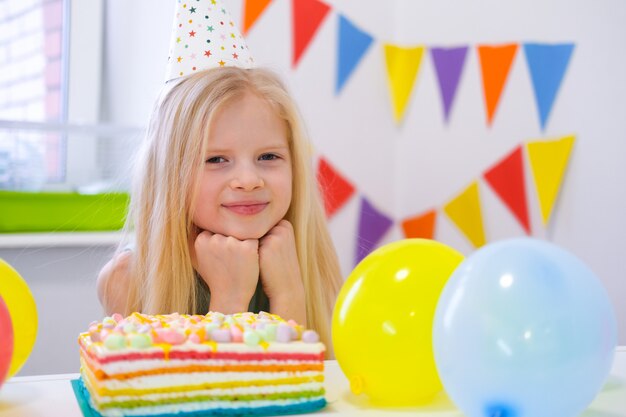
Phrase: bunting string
(547, 63)
(547, 159)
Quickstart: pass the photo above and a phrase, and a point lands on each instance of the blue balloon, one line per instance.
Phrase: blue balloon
(523, 329)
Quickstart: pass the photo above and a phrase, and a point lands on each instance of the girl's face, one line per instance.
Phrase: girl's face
(245, 185)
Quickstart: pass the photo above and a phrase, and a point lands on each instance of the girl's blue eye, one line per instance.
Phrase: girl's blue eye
(268, 157)
(215, 160)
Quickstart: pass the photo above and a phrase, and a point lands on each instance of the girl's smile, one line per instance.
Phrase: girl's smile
(246, 208)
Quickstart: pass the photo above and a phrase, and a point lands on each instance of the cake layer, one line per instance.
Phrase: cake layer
(194, 381)
(254, 392)
(207, 408)
(123, 370)
(189, 350)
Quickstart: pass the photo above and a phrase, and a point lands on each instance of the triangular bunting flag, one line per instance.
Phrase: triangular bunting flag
(465, 212)
(507, 180)
(336, 190)
(252, 9)
(548, 161)
(307, 16)
(422, 226)
(402, 67)
(372, 227)
(547, 65)
(448, 64)
(495, 62)
(353, 43)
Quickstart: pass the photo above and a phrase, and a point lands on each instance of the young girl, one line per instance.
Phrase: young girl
(224, 213)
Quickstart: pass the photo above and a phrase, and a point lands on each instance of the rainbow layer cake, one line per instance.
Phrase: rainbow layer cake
(213, 365)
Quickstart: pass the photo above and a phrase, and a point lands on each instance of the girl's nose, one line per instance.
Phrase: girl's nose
(246, 178)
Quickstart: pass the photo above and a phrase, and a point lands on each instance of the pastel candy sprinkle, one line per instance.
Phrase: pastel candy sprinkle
(129, 328)
(310, 336)
(108, 324)
(115, 341)
(95, 336)
(251, 338)
(283, 333)
(221, 335)
(117, 317)
(236, 334)
(171, 336)
(210, 327)
(270, 332)
(140, 340)
(144, 328)
(194, 338)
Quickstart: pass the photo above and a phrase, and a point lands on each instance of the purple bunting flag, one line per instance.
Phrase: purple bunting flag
(372, 227)
(448, 65)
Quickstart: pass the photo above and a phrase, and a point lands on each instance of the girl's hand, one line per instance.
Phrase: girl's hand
(230, 267)
(280, 273)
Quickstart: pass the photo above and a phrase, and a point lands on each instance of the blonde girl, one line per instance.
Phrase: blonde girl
(224, 212)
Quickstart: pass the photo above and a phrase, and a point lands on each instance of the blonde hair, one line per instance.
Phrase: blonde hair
(162, 278)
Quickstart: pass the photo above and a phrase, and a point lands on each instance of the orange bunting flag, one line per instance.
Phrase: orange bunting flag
(252, 9)
(548, 161)
(336, 190)
(422, 226)
(402, 67)
(507, 181)
(465, 212)
(307, 17)
(495, 63)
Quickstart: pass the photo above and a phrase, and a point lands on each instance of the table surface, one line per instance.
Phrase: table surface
(52, 395)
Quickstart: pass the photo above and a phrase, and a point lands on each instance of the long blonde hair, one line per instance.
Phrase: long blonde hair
(162, 278)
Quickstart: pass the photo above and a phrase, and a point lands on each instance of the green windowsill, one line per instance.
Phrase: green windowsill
(61, 212)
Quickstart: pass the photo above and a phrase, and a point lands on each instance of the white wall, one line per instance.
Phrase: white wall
(423, 162)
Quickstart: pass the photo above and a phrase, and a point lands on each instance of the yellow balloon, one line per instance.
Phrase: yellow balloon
(382, 321)
(23, 311)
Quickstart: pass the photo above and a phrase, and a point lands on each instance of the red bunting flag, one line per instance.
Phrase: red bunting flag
(336, 190)
(422, 226)
(252, 9)
(495, 63)
(506, 178)
(307, 16)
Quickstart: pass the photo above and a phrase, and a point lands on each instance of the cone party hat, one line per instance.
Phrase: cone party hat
(204, 36)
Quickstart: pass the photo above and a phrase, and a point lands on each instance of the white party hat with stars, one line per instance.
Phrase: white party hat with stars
(204, 36)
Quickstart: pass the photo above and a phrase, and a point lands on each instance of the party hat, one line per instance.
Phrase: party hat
(204, 36)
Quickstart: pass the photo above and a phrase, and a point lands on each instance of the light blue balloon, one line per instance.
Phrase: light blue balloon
(523, 329)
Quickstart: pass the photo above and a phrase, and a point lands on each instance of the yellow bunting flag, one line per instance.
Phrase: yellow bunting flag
(464, 210)
(402, 67)
(548, 161)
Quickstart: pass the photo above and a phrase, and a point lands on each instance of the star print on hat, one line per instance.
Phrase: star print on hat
(204, 36)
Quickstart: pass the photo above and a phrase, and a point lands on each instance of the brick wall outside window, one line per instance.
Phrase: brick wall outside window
(31, 90)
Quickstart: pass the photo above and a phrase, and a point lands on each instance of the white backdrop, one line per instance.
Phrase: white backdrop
(422, 163)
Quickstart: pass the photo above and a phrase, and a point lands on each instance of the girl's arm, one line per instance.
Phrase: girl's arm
(280, 273)
(112, 285)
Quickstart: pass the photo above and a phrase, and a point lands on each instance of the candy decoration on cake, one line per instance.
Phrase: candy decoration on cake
(382, 321)
(6, 341)
(23, 312)
(204, 36)
(214, 364)
(521, 321)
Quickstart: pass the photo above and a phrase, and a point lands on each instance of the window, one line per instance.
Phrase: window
(32, 91)
(51, 134)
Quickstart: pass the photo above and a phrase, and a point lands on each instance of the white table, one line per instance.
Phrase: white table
(52, 395)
